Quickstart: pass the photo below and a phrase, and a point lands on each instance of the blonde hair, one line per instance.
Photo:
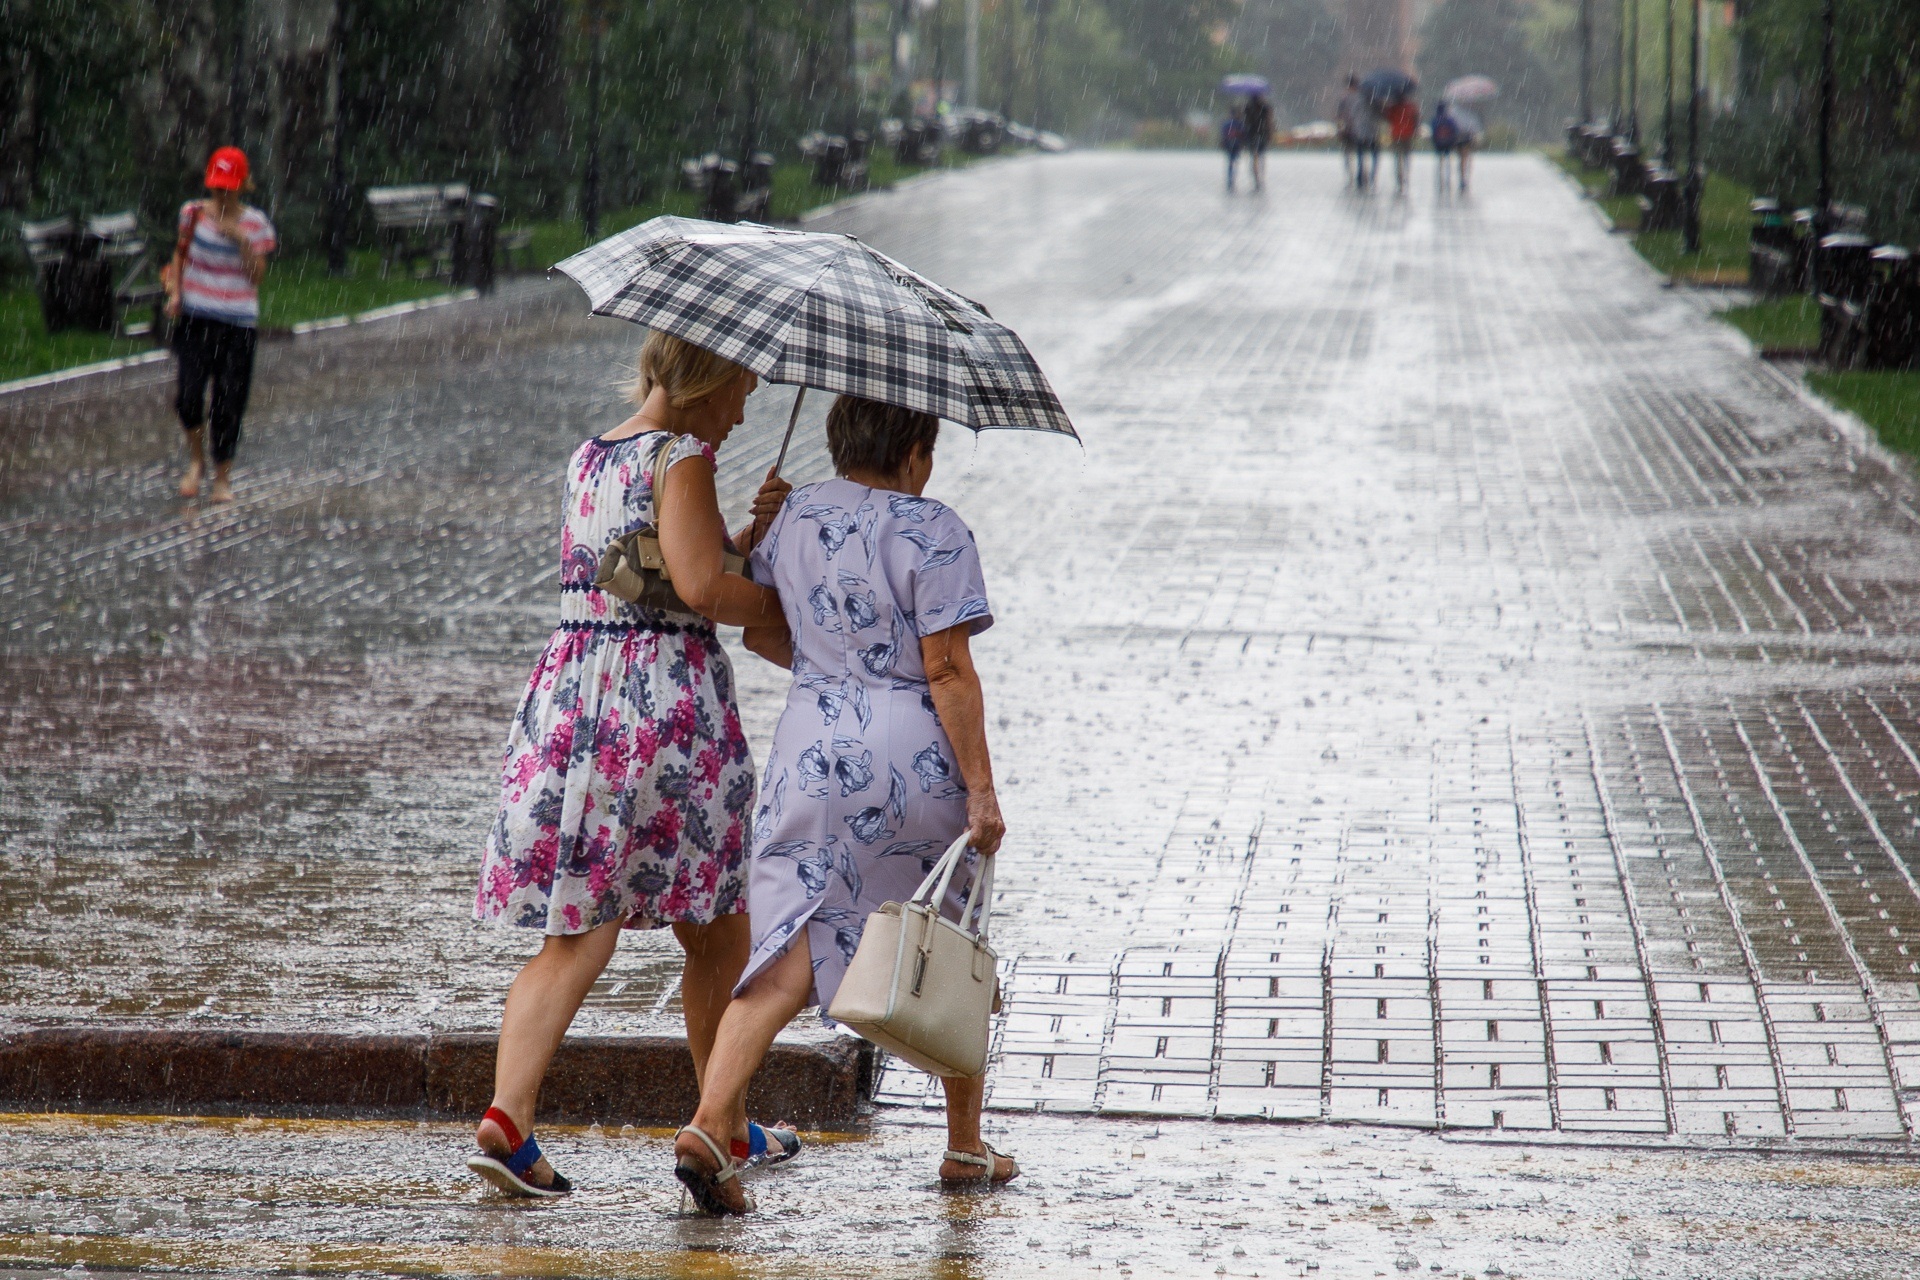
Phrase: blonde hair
(687, 373)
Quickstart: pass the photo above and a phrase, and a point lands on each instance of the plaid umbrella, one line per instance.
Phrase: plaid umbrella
(820, 310)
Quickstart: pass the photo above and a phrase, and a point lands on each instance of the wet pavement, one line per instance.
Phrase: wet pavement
(1106, 1196)
(1456, 688)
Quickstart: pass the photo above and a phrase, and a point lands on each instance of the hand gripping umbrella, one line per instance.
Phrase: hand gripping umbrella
(816, 309)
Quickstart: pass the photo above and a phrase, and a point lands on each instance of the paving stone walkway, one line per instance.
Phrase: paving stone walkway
(1454, 686)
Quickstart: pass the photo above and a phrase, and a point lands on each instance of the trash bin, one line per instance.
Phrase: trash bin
(829, 160)
(723, 191)
(1845, 273)
(1770, 249)
(475, 237)
(919, 142)
(1624, 163)
(1659, 200)
(1892, 324)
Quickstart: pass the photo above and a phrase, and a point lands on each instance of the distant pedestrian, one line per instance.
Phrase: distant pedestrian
(1348, 117)
(879, 763)
(1471, 132)
(213, 295)
(1233, 137)
(627, 788)
(1257, 122)
(1444, 131)
(1403, 126)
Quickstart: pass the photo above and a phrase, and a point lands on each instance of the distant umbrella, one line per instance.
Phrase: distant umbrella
(1470, 89)
(1244, 82)
(1387, 84)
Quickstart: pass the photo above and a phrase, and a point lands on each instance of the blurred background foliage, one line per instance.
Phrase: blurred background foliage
(114, 103)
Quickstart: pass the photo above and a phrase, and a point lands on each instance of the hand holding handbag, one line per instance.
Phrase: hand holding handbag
(634, 569)
(921, 986)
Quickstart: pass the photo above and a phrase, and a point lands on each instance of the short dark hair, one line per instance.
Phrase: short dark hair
(865, 435)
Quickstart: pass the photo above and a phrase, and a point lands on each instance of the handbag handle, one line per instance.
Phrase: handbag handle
(979, 897)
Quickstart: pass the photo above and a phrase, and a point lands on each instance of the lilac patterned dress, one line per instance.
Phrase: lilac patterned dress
(627, 782)
(861, 793)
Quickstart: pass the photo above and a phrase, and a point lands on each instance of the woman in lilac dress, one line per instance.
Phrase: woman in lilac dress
(627, 785)
(879, 763)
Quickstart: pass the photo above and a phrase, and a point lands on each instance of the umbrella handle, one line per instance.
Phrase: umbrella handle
(792, 418)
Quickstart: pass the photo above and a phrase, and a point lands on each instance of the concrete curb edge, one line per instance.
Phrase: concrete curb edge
(639, 1080)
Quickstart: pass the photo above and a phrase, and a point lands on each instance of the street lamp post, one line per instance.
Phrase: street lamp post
(336, 225)
(1666, 106)
(970, 68)
(1633, 75)
(1696, 171)
(1586, 62)
(1823, 191)
(590, 179)
(1620, 70)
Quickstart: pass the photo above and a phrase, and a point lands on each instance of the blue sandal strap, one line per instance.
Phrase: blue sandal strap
(756, 1140)
(525, 1158)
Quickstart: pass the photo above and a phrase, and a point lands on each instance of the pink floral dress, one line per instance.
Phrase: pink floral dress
(627, 783)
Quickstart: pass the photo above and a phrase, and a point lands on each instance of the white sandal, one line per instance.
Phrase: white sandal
(703, 1185)
(984, 1163)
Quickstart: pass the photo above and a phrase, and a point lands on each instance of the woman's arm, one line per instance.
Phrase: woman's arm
(962, 708)
(775, 644)
(691, 533)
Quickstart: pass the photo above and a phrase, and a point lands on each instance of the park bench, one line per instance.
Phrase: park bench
(415, 223)
(96, 276)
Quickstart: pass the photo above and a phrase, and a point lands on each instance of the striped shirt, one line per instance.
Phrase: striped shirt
(214, 283)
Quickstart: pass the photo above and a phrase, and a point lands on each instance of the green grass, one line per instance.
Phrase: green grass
(794, 193)
(1791, 323)
(298, 288)
(1724, 220)
(26, 348)
(1889, 402)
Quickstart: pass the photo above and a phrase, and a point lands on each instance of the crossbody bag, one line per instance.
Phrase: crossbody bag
(634, 569)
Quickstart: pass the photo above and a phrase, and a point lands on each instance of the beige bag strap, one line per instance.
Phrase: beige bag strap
(660, 462)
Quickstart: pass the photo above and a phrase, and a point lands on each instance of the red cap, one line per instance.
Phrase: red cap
(227, 170)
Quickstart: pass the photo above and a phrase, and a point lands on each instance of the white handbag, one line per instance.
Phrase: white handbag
(920, 985)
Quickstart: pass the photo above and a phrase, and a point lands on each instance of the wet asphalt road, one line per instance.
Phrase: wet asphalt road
(1454, 687)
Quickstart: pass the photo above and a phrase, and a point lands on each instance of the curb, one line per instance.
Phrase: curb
(638, 1080)
(295, 332)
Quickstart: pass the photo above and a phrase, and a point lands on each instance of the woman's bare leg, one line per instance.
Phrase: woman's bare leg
(716, 953)
(540, 1007)
(196, 462)
(746, 1033)
(964, 1096)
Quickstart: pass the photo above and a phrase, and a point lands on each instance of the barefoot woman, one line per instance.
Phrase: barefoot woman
(627, 783)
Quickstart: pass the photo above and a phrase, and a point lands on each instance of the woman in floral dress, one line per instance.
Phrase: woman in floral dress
(879, 763)
(627, 784)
